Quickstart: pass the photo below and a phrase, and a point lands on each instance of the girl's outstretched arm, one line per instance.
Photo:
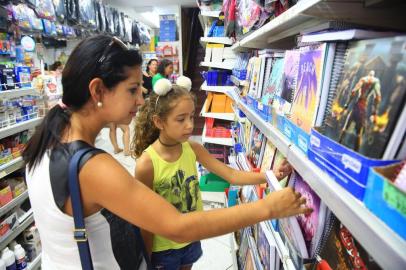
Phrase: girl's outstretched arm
(233, 176)
(106, 184)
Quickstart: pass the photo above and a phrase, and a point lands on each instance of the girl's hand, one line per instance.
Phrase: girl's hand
(286, 203)
(282, 170)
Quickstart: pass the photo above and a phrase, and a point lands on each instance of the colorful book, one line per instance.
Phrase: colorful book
(309, 81)
(283, 102)
(269, 154)
(370, 98)
(267, 248)
(257, 146)
(279, 158)
(273, 85)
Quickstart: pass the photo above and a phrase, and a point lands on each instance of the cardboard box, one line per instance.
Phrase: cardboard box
(347, 167)
(6, 195)
(219, 103)
(217, 52)
(7, 225)
(386, 200)
(17, 186)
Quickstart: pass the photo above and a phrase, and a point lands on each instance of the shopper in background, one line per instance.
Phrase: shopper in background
(167, 164)
(56, 66)
(147, 75)
(165, 69)
(102, 83)
(126, 138)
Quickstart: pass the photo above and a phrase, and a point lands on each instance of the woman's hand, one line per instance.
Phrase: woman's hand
(282, 170)
(285, 203)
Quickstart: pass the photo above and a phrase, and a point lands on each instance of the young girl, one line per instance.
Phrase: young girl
(167, 164)
(165, 69)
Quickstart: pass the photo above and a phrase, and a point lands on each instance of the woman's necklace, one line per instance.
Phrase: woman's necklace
(167, 145)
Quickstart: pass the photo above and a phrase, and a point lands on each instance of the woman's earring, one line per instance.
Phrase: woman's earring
(99, 104)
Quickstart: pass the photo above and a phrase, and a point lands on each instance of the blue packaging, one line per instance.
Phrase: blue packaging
(23, 76)
(298, 136)
(347, 167)
(384, 199)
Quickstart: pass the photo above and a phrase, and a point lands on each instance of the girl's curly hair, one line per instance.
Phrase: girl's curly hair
(145, 130)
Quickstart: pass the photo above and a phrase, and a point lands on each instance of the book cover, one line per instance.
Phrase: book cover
(279, 158)
(250, 68)
(283, 102)
(273, 85)
(257, 140)
(249, 262)
(255, 255)
(307, 96)
(370, 96)
(255, 76)
(266, 247)
(312, 225)
(267, 74)
(269, 154)
(344, 253)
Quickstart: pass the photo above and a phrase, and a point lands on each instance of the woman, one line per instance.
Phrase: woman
(165, 69)
(147, 76)
(102, 83)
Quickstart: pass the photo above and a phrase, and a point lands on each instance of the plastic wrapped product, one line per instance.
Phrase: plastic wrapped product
(21, 17)
(72, 11)
(101, 14)
(128, 24)
(109, 20)
(122, 25)
(87, 15)
(45, 9)
(135, 33)
(59, 29)
(144, 34)
(116, 20)
(60, 10)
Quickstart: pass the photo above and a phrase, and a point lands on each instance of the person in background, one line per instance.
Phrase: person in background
(147, 75)
(126, 138)
(57, 66)
(166, 163)
(165, 69)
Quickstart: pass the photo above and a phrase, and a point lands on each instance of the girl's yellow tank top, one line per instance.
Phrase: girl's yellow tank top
(178, 183)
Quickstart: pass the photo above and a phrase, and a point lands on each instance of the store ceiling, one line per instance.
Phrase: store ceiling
(154, 3)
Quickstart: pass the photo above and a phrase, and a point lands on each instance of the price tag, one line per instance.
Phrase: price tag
(395, 198)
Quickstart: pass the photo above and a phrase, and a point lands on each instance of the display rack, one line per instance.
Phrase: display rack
(368, 229)
(13, 129)
(218, 89)
(223, 116)
(221, 65)
(35, 264)
(24, 225)
(18, 92)
(220, 141)
(219, 40)
(310, 13)
(15, 202)
(11, 167)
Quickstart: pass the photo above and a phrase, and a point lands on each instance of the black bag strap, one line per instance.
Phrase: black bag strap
(79, 233)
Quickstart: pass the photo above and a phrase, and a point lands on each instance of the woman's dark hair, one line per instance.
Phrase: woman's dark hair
(149, 63)
(98, 56)
(55, 65)
(162, 65)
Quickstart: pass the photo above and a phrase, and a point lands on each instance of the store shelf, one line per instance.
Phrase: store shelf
(11, 167)
(222, 65)
(310, 13)
(18, 93)
(35, 264)
(369, 230)
(15, 202)
(222, 116)
(238, 82)
(218, 89)
(10, 130)
(220, 141)
(277, 138)
(24, 225)
(219, 40)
